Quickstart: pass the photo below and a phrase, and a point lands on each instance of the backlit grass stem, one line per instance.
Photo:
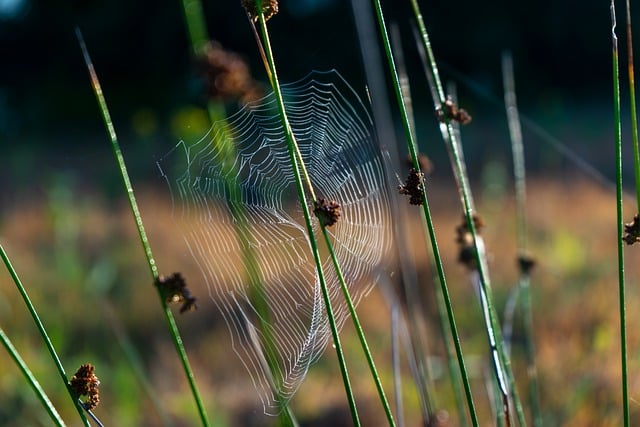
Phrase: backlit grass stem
(619, 218)
(35, 385)
(173, 328)
(632, 102)
(454, 148)
(299, 173)
(425, 206)
(43, 334)
(517, 148)
(295, 164)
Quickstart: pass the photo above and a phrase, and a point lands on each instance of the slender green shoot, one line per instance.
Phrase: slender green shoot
(43, 334)
(632, 97)
(35, 385)
(620, 224)
(427, 213)
(173, 327)
(502, 363)
(524, 259)
(296, 166)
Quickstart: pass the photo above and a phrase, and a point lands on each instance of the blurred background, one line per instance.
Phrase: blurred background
(65, 224)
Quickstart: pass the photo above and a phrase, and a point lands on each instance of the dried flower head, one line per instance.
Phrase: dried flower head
(174, 289)
(450, 111)
(269, 8)
(413, 187)
(426, 167)
(632, 231)
(85, 383)
(226, 75)
(464, 239)
(327, 212)
(526, 263)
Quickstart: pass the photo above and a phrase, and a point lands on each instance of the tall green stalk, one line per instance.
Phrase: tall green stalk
(300, 173)
(44, 335)
(517, 147)
(173, 328)
(426, 210)
(502, 363)
(295, 164)
(632, 99)
(35, 385)
(197, 30)
(619, 218)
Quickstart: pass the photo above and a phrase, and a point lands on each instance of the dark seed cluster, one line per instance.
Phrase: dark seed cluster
(526, 263)
(632, 231)
(85, 383)
(226, 75)
(269, 8)
(174, 289)
(413, 187)
(327, 212)
(450, 111)
(464, 239)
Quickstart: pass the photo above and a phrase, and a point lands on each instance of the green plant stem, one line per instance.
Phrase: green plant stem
(620, 224)
(517, 147)
(173, 328)
(35, 385)
(632, 98)
(43, 334)
(360, 332)
(196, 25)
(427, 213)
(501, 365)
(305, 208)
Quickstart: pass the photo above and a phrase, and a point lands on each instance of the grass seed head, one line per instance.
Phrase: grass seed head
(85, 383)
(174, 289)
(464, 239)
(327, 212)
(526, 263)
(269, 8)
(413, 187)
(632, 231)
(226, 75)
(450, 111)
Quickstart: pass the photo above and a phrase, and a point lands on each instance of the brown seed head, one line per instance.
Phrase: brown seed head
(632, 231)
(327, 212)
(526, 263)
(269, 8)
(226, 75)
(450, 111)
(85, 383)
(413, 187)
(464, 239)
(174, 289)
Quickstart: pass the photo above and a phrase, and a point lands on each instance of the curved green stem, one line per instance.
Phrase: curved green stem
(35, 385)
(43, 334)
(427, 213)
(296, 166)
(173, 328)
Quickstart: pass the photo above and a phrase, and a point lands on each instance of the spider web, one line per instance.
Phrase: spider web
(335, 135)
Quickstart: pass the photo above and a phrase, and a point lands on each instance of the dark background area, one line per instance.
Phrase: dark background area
(49, 119)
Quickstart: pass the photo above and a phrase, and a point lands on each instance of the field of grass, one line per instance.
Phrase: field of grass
(79, 256)
(265, 269)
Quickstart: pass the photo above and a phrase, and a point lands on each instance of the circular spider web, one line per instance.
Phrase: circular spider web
(238, 211)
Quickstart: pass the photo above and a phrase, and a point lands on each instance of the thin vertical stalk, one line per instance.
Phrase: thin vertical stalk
(494, 334)
(173, 328)
(619, 219)
(632, 97)
(425, 206)
(305, 209)
(43, 334)
(35, 385)
(517, 147)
